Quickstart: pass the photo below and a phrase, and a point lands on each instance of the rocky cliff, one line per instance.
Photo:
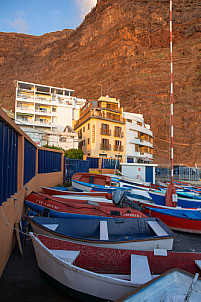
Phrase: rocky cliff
(122, 47)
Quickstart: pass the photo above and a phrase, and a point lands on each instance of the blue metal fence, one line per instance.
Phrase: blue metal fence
(8, 161)
(93, 162)
(110, 163)
(49, 161)
(74, 166)
(29, 161)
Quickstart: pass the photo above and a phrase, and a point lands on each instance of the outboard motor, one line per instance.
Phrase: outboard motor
(120, 200)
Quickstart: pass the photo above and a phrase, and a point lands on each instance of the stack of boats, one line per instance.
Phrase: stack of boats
(108, 237)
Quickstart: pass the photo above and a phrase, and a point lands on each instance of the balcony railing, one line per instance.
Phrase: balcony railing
(43, 100)
(99, 114)
(43, 111)
(118, 148)
(43, 122)
(118, 134)
(105, 132)
(105, 146)
(25, 97)
(27, 109)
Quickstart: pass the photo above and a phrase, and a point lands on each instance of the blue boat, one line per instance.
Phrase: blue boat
(159, 199)
(122, 233)
(84, 186)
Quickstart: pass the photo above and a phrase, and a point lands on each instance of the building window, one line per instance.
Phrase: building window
(118, 156)
(103, 155)
(62, 139)
(83, 143)
(88, 126)
(105, 129)
(129, 121)
(137, 148)
(88, 140)
(105, 144)
(83, 129)
(117, 131)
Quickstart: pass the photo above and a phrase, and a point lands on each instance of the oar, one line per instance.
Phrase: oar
(191, 287)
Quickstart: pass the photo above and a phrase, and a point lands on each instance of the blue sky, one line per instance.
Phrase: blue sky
(37, 17)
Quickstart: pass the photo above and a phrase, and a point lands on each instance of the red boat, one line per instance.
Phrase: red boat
(177, 218)
(96, 179)
(51, 191)
(59, 207)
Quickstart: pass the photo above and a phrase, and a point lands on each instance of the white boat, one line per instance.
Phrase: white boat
(175, 285)
(94, 273)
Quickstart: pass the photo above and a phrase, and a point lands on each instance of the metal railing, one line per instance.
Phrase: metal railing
(105, 132)
(105, 146)
(180, 173)
(118, 148)
(8, 161)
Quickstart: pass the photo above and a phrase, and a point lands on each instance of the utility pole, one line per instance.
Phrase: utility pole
(171, 92)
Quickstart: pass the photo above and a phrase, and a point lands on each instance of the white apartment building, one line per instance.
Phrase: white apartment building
(139, 139)
(40, 108)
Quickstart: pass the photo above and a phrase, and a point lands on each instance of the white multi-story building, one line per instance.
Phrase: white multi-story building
(40, 108)
(139, 139)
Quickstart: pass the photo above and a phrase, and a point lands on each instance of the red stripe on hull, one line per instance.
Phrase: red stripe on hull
(107, 260)
(177, 223)
(50, 191)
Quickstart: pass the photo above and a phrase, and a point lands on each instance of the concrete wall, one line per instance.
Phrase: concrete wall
(12, 210)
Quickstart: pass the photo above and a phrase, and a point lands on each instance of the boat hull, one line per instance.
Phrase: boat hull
(59, 228)
(56, 207)
(97, 271)
(178, 219)
(159, 198)
(178, 223)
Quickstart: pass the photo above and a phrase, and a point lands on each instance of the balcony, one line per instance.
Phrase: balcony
(105, 146)
(118, 148)
(25, 108)
(25, 97)
(100, 115)
(105, 132)
(118, 134)
(43, 122)
(43, 100)
(39, 111)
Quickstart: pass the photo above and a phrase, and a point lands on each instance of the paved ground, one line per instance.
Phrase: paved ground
(21, 280)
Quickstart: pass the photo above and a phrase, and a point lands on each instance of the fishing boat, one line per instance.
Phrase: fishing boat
(177, 218)
(121, 233)
(190, 194)
(174, 285)
(93, 273)
(54, 191)
(184, 220)
(103, 183)
(70, 208)
(91, 186)
(159, 198)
